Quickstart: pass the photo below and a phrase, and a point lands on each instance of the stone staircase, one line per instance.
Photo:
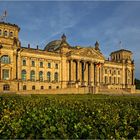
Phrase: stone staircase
(113, 91)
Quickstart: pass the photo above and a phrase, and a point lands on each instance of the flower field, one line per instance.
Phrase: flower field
(69, 117)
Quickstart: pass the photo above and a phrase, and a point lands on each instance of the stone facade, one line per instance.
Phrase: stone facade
(61, 67)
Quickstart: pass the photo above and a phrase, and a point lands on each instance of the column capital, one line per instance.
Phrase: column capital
(83, 61)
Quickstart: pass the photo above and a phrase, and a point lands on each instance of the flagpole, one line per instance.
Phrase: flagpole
(4, 16)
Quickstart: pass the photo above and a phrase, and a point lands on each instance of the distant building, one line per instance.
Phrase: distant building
(61, 67)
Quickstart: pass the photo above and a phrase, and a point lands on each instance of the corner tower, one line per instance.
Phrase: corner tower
(121, 56)
(9, 35)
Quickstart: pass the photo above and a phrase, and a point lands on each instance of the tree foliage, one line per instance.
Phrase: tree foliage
(137, 83)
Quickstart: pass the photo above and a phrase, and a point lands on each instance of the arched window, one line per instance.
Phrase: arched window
(40, 76)
(0, 32)
(50, 87)
(41, 64)
(49, 65)
(33, 63)
(5, 59)
(11, 34)
(5, 33)
(6, 87)
(56, 66)
(42, 87)
(24, 62)
(49, 76)
(23, 75)
(24, 87)
(32, 75)
(57, 87)
(56, 77)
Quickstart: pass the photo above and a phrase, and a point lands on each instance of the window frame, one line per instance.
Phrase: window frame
(40, 75)
(41, 64)
(33, 87)
(11, 34)
(5, 59)
(23, 75)
(49, 76)
(5, 76)
(5, 33)
(32, 75)
(56, 65)
(56, 76)
(24, 87)
(49, 65)
(33, 63)
(24, 62)
(6, 87)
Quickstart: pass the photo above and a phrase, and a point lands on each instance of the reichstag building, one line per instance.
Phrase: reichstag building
(60, 67)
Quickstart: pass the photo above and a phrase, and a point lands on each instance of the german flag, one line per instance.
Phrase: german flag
(98, 64)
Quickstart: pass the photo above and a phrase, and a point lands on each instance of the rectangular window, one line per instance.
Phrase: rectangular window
(118, 72)
(5, 74)
(6, 87)
(106, 80)
(118, 80)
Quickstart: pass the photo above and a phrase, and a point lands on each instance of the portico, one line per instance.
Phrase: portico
(84, 72)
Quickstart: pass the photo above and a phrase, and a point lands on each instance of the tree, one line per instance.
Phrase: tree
(137, 83)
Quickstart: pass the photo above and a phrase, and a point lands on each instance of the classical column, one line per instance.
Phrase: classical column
(86, 72)
(69, 70)
(67, 62)
(92, 73)
(102, 74)
(78, 70)
(97, 75)
(19, 67)
(72, 70)
(126, 77)
(28, 68)
(37, 69)
(132, 77)
(83, 69)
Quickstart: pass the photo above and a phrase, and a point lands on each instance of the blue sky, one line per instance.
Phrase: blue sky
(83, 22)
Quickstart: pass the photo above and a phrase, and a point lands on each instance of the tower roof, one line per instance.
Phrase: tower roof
(9, 24)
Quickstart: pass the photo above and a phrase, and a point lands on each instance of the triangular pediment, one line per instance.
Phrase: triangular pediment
(87, 52)
(6, 66)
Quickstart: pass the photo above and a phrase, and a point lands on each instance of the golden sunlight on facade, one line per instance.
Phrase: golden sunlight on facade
(61, 68)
